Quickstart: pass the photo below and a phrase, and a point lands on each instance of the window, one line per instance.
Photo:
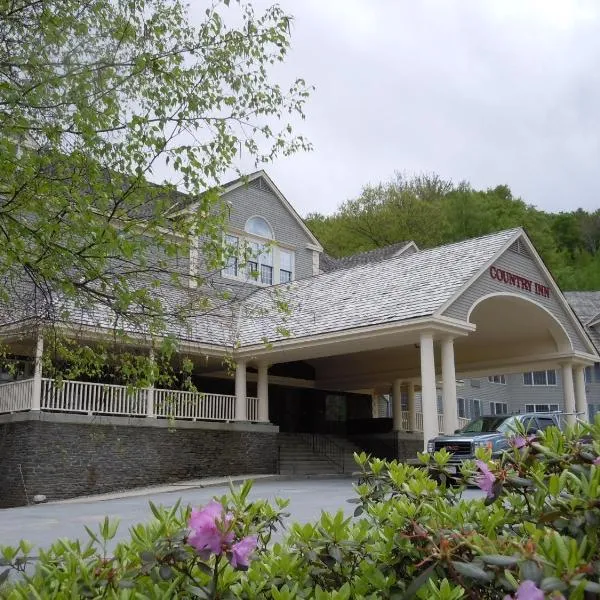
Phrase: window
(461, 407)
(259, 226)
(232, 248)
(588, 374)
(254, 260)
(260, 263)
(286, 266)
(499, 408)
(541, 408)
(540, 377)
(497, 379)
(477, 408)
(597, 372)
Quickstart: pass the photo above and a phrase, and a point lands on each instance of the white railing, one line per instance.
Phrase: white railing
(405, 420)
(252, 409)
(193, 405)
(16, 396)
(440, 422)
(419, 421)
(92, 398)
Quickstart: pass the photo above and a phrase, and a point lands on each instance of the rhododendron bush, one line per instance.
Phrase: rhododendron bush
(410, 532)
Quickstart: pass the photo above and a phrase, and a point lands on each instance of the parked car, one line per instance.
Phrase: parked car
(490, 431)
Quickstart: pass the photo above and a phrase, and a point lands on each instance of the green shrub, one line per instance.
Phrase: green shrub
(411, 535)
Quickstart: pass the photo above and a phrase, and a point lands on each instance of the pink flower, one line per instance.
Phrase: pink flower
(520, 441)
(241, 551)
(527, 591)
(485, 480)
(210, 528)
(596, 461)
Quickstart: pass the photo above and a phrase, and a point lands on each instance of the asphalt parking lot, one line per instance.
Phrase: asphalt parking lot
(44, 523)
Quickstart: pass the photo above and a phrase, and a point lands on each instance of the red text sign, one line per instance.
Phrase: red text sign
(519, 282)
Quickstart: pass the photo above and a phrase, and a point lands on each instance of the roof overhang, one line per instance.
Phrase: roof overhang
(359, 339)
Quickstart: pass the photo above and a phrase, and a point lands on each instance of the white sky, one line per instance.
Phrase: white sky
(488, 91)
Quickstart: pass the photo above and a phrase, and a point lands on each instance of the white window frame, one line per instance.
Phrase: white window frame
(465, 409)
(537, 408)
(533, 383)
(499, 379)
(477, 402)
(245, 241)
(494, 406)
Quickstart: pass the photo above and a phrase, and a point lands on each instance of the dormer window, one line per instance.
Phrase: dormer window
(259, 226)
(254, 256)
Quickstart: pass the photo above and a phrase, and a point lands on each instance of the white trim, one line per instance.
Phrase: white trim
(404, 248)
(525, 299)
(520, 234)
(594, 321)
(560, 295)
(272, 239)
(244, 180)
(478, 273)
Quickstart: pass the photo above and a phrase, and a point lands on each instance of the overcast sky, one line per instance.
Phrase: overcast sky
(488, 91)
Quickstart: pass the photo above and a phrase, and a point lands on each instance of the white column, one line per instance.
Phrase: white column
(412, 406)
(568, 391)
(150, 390)
(36, 400)
(240, 391)
(262, 391)
(581, 404)
(428, 390)
(449, 387)
(397, 404)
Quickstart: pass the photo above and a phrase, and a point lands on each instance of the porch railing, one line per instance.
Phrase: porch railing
(107, 399)
(16, 396)
(192, 405)
(252, 408)
(92, 398)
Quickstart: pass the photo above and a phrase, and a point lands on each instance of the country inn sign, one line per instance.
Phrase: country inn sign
(397, 322)
(519, 282)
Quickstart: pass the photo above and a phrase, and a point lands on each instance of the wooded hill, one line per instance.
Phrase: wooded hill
(432, 211)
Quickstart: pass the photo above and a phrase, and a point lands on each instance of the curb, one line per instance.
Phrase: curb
(184, 486)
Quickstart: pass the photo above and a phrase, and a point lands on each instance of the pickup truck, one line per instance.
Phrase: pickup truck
(491, 431)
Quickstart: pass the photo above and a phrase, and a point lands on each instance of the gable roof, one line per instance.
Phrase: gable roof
(328, 263)
(396, 289)
(587, 307)
(244, 180)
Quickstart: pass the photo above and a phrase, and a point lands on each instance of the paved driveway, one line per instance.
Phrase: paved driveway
(43, 523)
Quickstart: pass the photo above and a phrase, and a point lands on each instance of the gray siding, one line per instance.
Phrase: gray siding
(257, 199)
(526, 267)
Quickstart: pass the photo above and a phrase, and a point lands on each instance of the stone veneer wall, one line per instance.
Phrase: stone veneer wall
(63, 456)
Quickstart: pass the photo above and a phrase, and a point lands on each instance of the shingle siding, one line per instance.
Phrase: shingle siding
(257, 199)
(521, 265)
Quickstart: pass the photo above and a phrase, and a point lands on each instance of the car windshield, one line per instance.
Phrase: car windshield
(488, 425)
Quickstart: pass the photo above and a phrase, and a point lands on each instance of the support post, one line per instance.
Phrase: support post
(581, 405)
(263, 392)
(449, 387)
(36, 400)
(412, 406)
(240, 391)
(397, 404)
(568, 392)
(150, 391)
(428, 389)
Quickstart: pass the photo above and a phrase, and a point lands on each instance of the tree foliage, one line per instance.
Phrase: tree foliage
(432, 211)
(94, 97)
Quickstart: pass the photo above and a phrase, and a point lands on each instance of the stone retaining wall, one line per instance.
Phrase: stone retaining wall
(63, 456)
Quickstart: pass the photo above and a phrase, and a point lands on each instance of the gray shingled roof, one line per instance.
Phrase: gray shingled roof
(329, 263)
(397, 289)
(587, 307)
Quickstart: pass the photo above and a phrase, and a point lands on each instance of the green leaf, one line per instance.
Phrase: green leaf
(472, 571)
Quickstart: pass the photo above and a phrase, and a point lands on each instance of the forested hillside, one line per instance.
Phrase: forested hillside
(432, 211)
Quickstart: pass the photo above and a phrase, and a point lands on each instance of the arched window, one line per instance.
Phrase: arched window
(259, 226)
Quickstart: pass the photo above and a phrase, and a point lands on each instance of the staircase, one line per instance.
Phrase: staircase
(315, 454)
